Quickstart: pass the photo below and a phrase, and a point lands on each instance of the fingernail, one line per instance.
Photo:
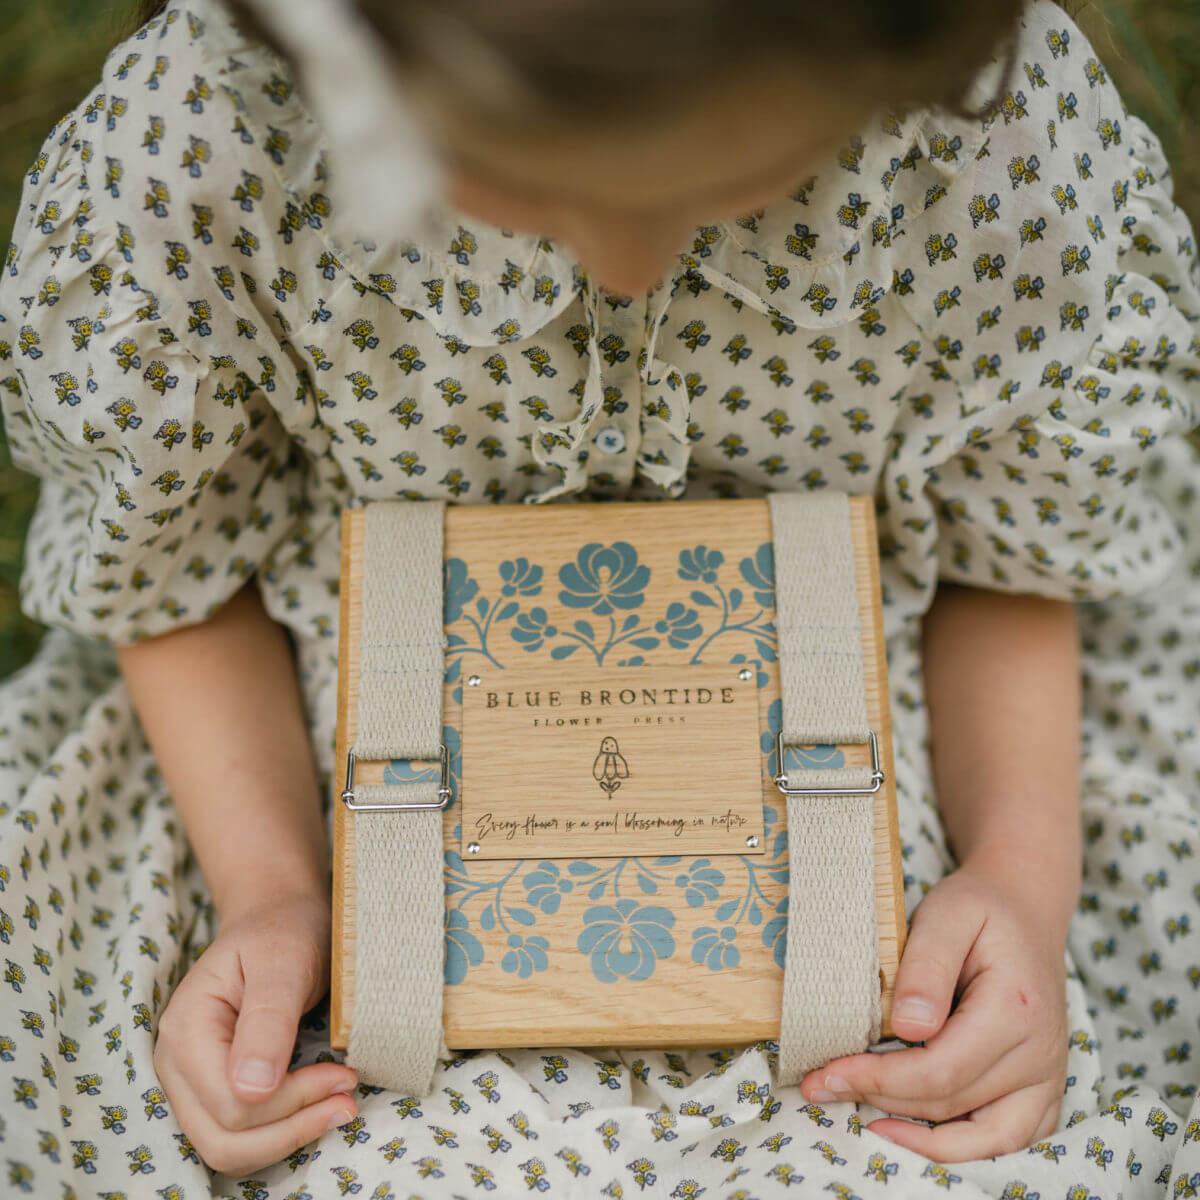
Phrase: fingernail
(347, 1085)
(821, 1096)
(340, 1118)
(916, 1009)
(837, 1085)
(256, 1073)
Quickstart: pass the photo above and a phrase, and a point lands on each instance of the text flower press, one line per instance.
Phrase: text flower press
(615, 775)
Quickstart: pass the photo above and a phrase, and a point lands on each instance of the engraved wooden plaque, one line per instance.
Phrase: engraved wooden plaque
(666, 946)
(634, 760)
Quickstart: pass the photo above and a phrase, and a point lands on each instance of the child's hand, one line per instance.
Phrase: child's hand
(226, 1037)
(999, 1062)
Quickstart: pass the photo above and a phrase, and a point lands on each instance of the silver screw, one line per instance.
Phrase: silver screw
(745, 673)
(473, 681)
(473, 847)
(752, 840)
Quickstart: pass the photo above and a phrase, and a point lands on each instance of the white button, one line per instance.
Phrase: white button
(610, 439)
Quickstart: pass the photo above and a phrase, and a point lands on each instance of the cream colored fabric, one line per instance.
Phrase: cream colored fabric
(403, 638)
(396, 1029)
(841, 777)
(816, 614)
(396, 1026)
(831, 993)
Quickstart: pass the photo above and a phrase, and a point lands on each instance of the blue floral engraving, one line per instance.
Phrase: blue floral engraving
(533, 629)
(750, 904)
(811, 758)
(401, 770)
(701, 882)
(521, 578)
(601, 878)
(546, 887)
(774, 934)
(700, 564)
(819, 756)
(680, 624)
(459, 590)
(625, 941)
(495, 913)
(715, 947)
(525, 955)
(759, 573)
(462, 948)
(584, 634)
(623, 937)
(604, 578)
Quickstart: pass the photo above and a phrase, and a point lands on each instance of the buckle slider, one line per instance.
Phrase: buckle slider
(348, 798)
(783, 784)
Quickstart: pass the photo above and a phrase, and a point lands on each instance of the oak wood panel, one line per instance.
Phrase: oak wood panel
(682, 1003)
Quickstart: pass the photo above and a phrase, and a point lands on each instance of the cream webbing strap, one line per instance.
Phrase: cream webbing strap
(831, 992)
(396, 1029)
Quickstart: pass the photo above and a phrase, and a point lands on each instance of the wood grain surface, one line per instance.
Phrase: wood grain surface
(683, 1003)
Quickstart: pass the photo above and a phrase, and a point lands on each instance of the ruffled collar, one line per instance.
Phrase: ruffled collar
(822, 255)
(813, 259)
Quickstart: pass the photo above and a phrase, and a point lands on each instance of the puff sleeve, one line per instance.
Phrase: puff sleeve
(1066, 340)
(135, 380)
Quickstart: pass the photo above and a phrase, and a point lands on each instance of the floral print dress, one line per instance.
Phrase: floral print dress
(988, 325)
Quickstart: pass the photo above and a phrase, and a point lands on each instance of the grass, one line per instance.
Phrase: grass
(51, 53)
(50, 56)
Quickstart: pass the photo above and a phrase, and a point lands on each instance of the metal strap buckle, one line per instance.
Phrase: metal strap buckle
(781, 779)
(399, 805)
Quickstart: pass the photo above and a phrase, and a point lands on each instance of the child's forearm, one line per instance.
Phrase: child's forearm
(1002, 682)
(221, 707)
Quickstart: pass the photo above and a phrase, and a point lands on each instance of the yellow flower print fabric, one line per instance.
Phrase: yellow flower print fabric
(988, 325)
(983, 323)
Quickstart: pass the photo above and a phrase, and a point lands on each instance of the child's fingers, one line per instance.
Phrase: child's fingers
(193, 1043)
(913, 1081)
(942, 934)
(1020, 1067)
(298, 1089)
(1011, 1123)
(278, 988)
(245, 1151)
